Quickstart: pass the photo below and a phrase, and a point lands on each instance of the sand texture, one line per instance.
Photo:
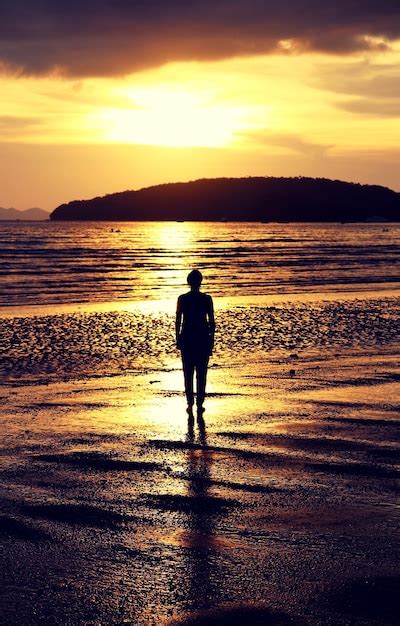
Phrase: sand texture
(279, 508)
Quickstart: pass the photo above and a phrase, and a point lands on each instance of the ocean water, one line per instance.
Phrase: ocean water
(48, 263)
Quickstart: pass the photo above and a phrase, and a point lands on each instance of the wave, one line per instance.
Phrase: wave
(48, 263)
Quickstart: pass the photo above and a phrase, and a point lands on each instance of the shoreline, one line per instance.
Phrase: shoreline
(221, 303)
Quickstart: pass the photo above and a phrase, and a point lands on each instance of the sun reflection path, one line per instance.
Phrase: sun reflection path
(179, 235)
(174, 245)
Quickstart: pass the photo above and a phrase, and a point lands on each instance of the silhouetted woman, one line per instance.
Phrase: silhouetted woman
(195, 327)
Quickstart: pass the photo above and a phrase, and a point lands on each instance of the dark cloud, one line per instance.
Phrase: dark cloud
(109, 37)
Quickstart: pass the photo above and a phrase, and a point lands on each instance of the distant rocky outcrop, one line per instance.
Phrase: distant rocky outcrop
(34, 214)
(241, 199)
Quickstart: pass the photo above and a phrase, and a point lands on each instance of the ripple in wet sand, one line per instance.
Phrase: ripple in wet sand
(17, 529)
(240, 615)
(98, 461)
(354, 469)
(79, 514)
(373, 599)
(206, 505)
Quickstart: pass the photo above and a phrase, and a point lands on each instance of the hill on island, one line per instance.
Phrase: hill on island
(34, 214)
(241, 199)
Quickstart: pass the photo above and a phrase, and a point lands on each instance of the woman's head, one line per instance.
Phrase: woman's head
(195, 279)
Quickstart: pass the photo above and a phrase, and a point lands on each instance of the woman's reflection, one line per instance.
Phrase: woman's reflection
(202, 556)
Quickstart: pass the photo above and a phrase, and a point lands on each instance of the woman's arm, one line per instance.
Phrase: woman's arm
(178, 321)
(211, 321)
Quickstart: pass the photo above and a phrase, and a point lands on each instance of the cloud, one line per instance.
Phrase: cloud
(14, 126)
(375, 87)
(362, 78)
(86, 97)
(372, 108)
(290, 141)
(116, 37)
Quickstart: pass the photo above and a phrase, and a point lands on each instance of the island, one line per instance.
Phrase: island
(251, 199)
(16, 215)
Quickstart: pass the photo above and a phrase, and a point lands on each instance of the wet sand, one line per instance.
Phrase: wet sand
(281, 507)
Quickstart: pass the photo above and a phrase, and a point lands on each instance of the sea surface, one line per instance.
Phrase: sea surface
(49, 263)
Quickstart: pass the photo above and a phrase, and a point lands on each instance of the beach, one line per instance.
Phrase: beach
(199, 313)
(281, 507)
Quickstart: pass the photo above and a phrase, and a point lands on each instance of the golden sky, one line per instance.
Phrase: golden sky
(282, 112)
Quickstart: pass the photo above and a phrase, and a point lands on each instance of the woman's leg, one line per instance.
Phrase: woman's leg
(188, 373)
(201, 378)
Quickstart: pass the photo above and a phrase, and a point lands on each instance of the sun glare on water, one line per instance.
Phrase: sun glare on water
(168, 117)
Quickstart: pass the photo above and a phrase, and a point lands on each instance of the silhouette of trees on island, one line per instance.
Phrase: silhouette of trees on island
(298, 199)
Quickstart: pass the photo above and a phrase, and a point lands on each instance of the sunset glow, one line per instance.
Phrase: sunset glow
(289, 112)
(199, 311)
(172, 118)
